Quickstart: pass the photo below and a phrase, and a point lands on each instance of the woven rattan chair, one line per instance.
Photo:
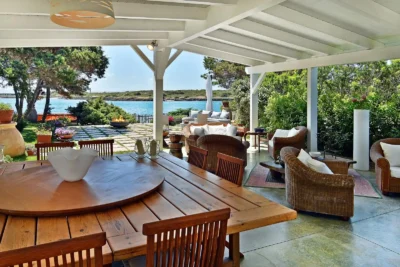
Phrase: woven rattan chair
(57, 253)
(198, 157)
(297, 141)
(230, 168)
(42, 149)
(227, 145)
(384, 180)
(198, 240)
(104, 147)
(308, 190)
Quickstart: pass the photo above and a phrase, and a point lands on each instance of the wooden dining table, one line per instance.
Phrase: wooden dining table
(186, 190)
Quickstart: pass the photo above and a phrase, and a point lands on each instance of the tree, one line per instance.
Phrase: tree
(68, 71)
(224, 73)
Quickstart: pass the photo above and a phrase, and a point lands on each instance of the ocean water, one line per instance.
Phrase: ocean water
(134, 107)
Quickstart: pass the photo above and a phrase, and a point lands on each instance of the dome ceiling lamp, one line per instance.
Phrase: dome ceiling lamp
(82, 14)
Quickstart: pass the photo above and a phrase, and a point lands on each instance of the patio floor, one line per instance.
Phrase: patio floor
(370, 238)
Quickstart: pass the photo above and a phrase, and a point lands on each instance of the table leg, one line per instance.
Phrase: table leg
(259, 143)
(234, 249)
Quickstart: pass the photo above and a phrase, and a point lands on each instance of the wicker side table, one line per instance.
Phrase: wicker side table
(175, 147)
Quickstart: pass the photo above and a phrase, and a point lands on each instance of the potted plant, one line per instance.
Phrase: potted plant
(44, 134)
(225, 104)
(6, 113)
(30, 150)
(64, 133)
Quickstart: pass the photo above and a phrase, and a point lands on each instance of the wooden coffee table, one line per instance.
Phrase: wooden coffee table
(277, 171)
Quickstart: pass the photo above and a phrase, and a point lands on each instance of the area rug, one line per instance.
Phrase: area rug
(261, 177)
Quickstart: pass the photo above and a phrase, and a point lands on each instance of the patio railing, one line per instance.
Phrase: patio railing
(144, 118)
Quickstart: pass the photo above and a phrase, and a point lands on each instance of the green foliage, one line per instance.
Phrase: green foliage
(241, 100)
(21, 124)
(4, 106)
(224, 73)
(98, 111)
(8, 159)
(180, 112)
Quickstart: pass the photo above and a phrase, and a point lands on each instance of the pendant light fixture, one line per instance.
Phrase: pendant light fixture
(82, 14)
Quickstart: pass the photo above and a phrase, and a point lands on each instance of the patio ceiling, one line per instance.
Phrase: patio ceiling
(273, 35)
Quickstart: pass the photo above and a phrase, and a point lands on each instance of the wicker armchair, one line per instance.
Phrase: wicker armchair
(308, 190)
(297, 141)
(228, 145)
(384, 180)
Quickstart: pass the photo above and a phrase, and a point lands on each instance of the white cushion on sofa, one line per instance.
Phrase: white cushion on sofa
(225, 115)
(231, 130)
(318, 166)
(293, 132)
(304, 157)
(392, 154)
(216, 115)
(395, 172)
(206, 112)
(193, 114)
(281, 133)
(192, 128)
(218, 129)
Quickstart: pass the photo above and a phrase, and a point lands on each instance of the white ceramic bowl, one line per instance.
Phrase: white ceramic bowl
(315, 154)
(72, 165)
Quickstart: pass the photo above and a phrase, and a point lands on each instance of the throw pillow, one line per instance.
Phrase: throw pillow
(231, 130)
(206, 112)
(193, 128)
(216, 115)
(280, 133)
(304, 157)
(318, 166)
(199, 131)
(193, 114)
(219, 129)
(225, 115)
(395, 172)
(293, 132)
(392, 154)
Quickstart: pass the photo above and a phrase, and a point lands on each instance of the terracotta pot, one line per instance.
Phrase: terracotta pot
(30, 152)
(6, 116)
(66, 136)
(175, 138)
(225, 104)
(44, 138)
(12, 139)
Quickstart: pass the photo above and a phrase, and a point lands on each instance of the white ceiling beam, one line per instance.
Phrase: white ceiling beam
(284, 38)
(174, 56)
(220, 16)
(122, 10)
(16, 22)
(258, 45)
(346, 58)
(82, 35)
(321, 26)
(219, 55)
(13, 43)
(235, 50)
(373, 10)
(201, 2)
(145, 59)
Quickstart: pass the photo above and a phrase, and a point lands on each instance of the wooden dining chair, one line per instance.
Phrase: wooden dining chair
(230, 168)
(198, 157)
(42, 149)
(65, 253)
(104, 147)
(194, 240)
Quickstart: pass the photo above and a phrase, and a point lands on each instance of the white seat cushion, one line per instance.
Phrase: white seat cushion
(193, 128)
(304, 157)
(218, 129)
(293, 132)
(392, 154)
(319, 166)
(231, 130)
(395, 172)
(281, 133)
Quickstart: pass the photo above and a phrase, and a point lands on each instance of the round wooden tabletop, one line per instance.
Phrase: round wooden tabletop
(108, 184)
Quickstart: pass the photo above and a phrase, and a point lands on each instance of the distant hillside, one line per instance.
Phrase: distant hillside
(175, 95)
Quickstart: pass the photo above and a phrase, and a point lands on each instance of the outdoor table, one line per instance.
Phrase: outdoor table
(186, 190)
(255, 134)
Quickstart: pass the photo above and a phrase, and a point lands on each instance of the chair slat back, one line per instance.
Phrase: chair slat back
(198, 157)
(230, 168)
(103, 147)
(195, 240)
(77, 252)
(42, 149)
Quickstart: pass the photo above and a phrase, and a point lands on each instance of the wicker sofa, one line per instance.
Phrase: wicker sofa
(228, 145)
(308, 190)
(384, 179)
(277, 143)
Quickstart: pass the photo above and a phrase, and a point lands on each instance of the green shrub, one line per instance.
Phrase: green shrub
(180, 112)
(4, 106)
(98, 111)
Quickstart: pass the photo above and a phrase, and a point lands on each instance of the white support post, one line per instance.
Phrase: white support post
(312, 109)
(254, 83)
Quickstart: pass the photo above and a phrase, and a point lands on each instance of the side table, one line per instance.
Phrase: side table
(277, 170)
(175, 147)
(255, 138)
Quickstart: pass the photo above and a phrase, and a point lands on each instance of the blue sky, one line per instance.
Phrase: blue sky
(127, 72)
